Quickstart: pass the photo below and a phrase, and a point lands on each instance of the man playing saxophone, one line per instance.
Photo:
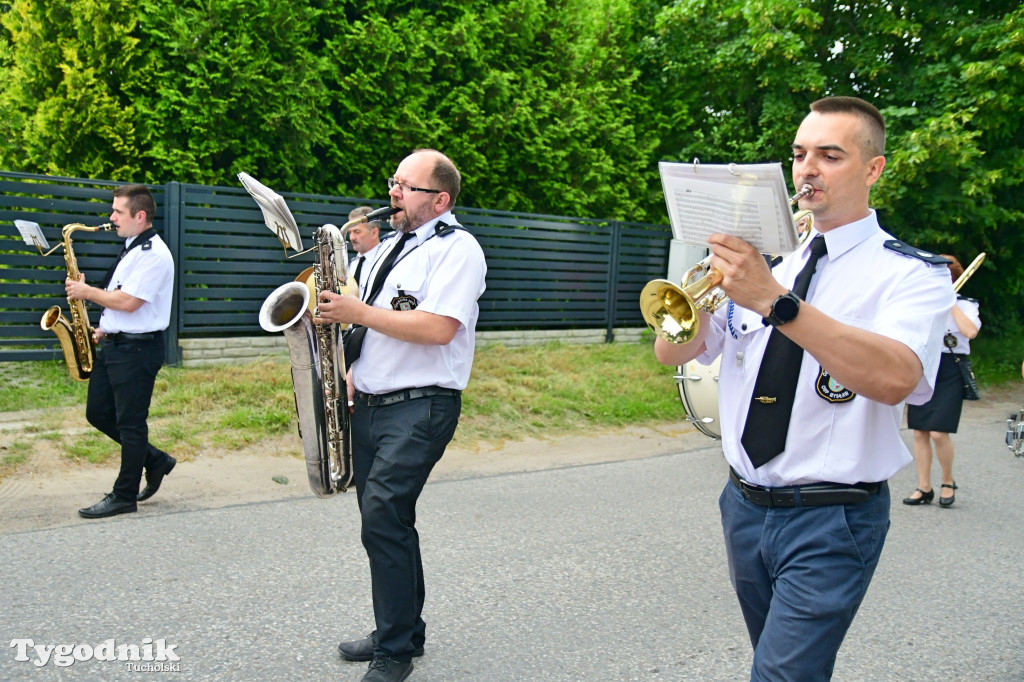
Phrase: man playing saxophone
(136, 299)
(419, 313)
(818, 356)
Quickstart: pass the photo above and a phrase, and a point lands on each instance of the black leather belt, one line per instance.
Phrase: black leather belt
(127, 337)
(380, 400)
(811, 495)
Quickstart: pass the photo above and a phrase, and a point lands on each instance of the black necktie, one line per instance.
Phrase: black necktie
(385, 266)
(359, 268)
(771, 405)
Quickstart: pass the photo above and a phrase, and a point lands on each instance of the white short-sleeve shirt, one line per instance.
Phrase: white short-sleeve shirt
(969, 307)
(833, 437)
(146, 273)
(444, 275)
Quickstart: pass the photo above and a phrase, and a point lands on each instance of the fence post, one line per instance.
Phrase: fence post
(611, 294)
(174, 226)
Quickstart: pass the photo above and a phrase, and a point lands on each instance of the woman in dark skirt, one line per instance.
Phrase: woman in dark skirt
(935, 420)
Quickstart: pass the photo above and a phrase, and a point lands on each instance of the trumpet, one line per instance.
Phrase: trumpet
(966, 275)
(671, 311)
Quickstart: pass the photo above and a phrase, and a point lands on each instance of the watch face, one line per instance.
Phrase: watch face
(785, 309)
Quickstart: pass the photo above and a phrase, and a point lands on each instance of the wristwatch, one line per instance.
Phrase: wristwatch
(784, 309)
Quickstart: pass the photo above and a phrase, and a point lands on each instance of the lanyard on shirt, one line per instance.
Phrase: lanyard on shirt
(441, 229)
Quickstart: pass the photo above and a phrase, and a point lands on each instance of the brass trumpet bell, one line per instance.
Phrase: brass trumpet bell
(671, 311)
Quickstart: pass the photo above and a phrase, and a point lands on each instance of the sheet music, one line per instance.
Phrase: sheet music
(276, 214)
(32, 234)
(748, 201)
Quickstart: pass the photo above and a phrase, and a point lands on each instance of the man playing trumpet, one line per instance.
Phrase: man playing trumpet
(818, 357)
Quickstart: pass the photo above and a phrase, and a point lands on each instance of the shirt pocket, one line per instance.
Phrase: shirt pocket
(407, 287)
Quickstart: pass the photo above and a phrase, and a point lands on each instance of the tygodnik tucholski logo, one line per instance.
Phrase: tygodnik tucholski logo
(149, 656)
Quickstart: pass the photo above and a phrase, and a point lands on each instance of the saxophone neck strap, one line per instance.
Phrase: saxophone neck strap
(141, 240)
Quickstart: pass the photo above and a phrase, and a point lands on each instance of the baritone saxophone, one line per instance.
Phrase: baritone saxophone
(317, 358)
(75, 337)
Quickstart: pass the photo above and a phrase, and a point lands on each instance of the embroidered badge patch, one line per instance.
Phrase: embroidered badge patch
(831, 390)
(404, 301)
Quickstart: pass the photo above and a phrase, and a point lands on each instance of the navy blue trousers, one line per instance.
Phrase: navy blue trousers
(120, 391)
(394, 448)
(800, 575)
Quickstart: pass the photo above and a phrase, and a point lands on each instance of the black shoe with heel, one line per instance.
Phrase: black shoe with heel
(153, 480)
(926, 497)
(948, 501)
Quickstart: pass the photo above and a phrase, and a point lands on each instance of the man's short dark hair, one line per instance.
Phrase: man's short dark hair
(446, 176)
(874, 122)
(139, 199)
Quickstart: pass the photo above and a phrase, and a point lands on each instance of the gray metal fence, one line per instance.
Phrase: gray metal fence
(544, 272)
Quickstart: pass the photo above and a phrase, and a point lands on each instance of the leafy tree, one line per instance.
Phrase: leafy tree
(541, 118)
(948, 79)
(231, 85)
(61, 106)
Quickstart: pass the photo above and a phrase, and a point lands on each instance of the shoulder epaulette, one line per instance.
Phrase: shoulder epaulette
(442, 229)
(914, 252)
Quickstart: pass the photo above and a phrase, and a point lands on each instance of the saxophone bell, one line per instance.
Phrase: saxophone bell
(74, 336)
(318, 366)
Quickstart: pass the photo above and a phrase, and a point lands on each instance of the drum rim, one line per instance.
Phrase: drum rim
(690, 409)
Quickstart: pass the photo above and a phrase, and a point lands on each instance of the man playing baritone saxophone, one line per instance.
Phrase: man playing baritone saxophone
(419, 315)
(136, 299)
(815, 369)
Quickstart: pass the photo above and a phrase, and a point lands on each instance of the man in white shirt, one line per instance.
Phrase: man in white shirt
(365, 238)
(811, 434)
(419, 312)
(136, 299)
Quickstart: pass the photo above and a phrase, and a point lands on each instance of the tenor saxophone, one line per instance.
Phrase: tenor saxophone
(75, 337)
(317, 358)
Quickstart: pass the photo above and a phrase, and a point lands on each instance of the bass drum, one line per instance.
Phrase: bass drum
(698, 390)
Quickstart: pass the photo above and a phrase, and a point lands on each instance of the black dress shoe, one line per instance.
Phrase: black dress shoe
(948, 501)
(362, 650)
(153, 481)
(926, 497)
(111, 505)
(387, 669)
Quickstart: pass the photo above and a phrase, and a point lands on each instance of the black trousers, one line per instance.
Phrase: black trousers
(394, 449)
(120, 390)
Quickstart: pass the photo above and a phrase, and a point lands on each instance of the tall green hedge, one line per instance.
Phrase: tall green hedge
(548, 106)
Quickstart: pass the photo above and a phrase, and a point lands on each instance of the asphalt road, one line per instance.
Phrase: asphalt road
(600, 572)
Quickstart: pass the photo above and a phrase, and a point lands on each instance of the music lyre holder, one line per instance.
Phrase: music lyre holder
(276, 215)
(32, 235)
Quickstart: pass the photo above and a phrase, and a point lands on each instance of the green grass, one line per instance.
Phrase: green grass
(14, 454)
(513, 393)
(997, 360)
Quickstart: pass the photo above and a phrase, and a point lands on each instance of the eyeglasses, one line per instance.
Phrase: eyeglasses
(403, 188)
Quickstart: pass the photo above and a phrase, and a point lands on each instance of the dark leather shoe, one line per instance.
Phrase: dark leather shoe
(926, 497)
(362, 650)
(387, 669)
(948, 501)
(111, 505)
(153, 481)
